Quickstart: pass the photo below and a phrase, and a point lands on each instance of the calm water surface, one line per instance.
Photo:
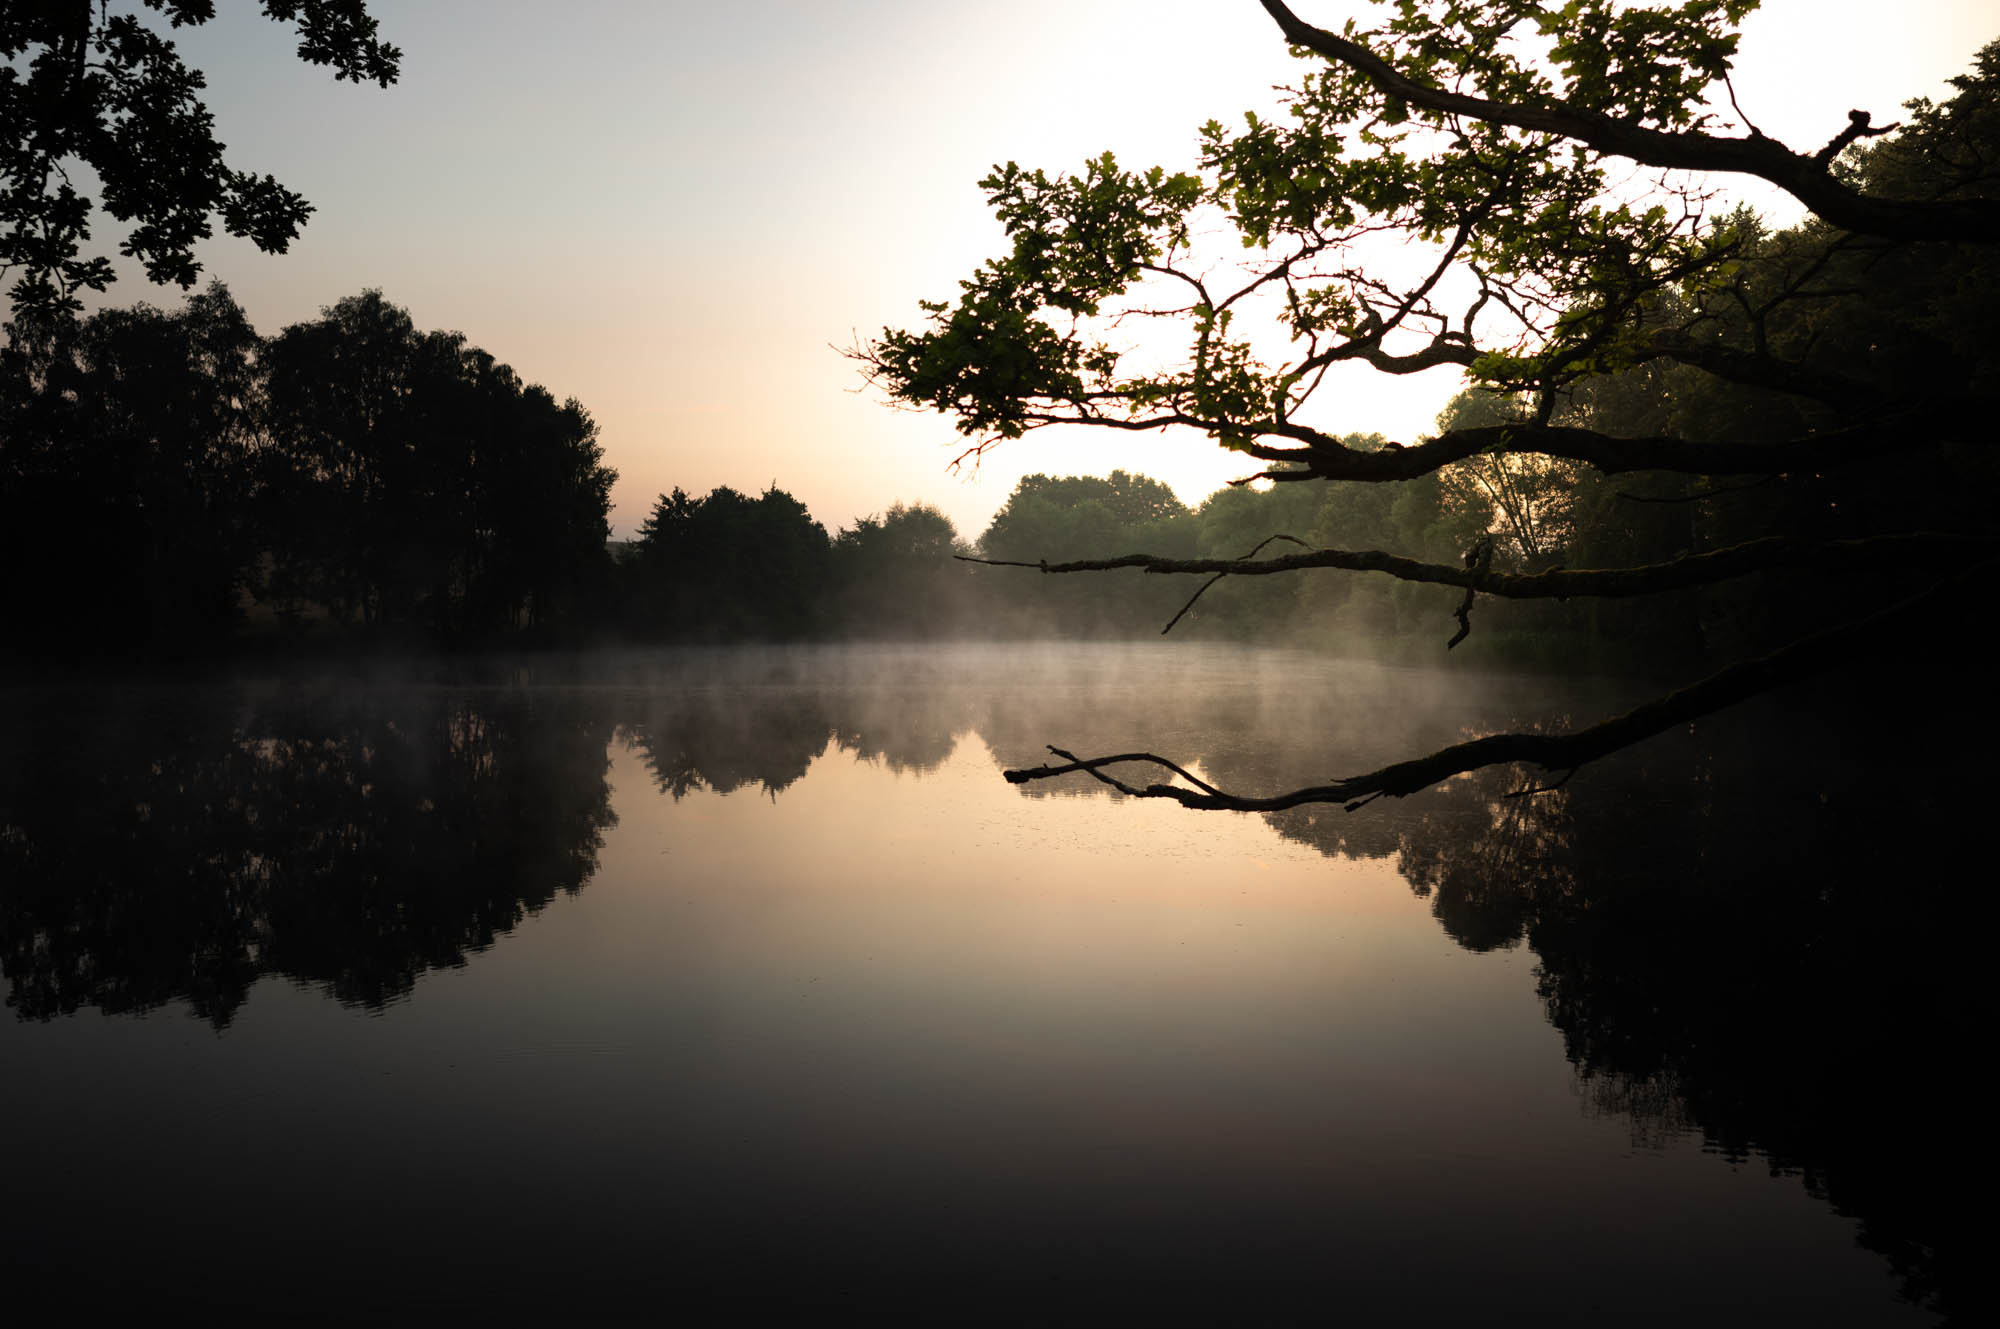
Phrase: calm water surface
(746, 983)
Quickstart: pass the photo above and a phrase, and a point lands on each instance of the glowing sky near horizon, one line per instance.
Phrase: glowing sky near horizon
(675, 212)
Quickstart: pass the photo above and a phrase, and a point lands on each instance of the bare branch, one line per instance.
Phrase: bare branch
(1093, 768)
(1759, 555)
(1553, 752)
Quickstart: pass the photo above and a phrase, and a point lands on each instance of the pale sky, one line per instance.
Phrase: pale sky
(674, 211)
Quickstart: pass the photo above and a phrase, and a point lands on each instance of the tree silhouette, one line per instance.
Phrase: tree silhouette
(80, 83)
(1843, 365)
(162, 472)
(417, 484)
(1054, 518)
(728, 567)
(893, 576)
(127, 450)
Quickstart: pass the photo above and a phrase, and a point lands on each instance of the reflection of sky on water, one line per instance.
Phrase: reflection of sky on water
(900, 1035)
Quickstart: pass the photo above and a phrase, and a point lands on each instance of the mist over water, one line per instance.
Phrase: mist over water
(742, 979)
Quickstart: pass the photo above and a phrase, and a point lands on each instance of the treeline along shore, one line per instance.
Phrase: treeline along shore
(174, 486)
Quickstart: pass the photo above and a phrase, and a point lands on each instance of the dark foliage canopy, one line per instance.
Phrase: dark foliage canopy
(730, 567)
(165, 476)
(89, 89)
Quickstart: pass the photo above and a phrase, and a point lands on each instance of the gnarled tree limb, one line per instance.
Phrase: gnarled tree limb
(1804, 177)
(1759, 555)
(1322, 456)
(1764, 371)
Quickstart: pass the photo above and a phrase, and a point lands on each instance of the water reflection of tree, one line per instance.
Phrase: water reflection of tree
(172, 847)
(1788, 973)
(910, 732)
(1793, 976)
(724, 739)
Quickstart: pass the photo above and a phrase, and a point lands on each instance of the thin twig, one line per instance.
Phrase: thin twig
(1220, 575)
(1092, 766)
(1755, 132)
(1543, 789)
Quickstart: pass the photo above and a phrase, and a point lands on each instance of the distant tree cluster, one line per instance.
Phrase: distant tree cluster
(1052, 518)
(165, 477)
(729, 567)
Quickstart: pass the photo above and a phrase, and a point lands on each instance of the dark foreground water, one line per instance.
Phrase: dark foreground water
(743, 984)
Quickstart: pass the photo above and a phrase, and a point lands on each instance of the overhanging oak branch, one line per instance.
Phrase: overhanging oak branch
(1759, 555)
(1322, 456)
(1804, 177)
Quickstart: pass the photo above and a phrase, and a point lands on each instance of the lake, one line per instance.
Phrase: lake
(742, 982)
